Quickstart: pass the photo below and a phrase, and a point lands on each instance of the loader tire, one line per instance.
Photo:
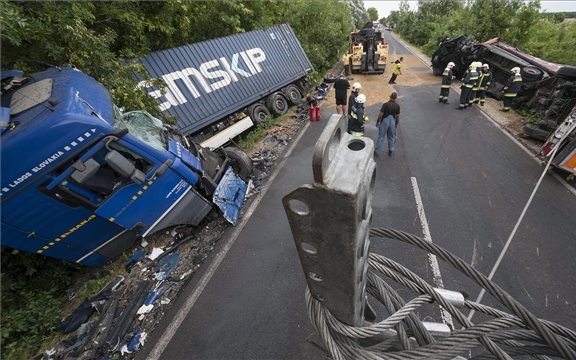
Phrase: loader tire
(240, 162)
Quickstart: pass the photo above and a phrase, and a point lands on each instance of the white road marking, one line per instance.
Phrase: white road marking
(432, 260)
(168, 334)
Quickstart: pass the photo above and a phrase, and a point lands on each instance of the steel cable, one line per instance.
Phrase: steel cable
(402, 336)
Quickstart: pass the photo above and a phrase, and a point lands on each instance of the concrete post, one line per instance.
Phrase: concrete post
(330, 220)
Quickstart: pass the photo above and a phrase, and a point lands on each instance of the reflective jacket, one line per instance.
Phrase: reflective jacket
(484, 80)
(470, 79)
(447, 78)
(357, 118)
(513, 85)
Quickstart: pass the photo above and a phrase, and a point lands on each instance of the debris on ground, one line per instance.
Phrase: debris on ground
(115, 323)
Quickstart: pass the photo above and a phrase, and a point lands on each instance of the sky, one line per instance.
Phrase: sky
(385, 7)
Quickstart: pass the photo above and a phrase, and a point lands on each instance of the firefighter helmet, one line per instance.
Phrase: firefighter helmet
(515, 70)
(361, 99)
(472, 66)
(356, 86)
(451, 65)
(486, 66)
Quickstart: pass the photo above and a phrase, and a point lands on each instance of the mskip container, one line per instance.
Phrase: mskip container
(219, 88)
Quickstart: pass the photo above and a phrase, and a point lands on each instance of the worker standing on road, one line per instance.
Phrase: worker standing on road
(478, 70)
(511, 89)
(447, 77)
(396, 71)
(352, 101)
(341, 87)
(467, 84)
(387, 123)
(484, 81)
(357, 117)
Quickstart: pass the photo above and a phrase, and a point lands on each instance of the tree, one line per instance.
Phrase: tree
(372, 13)
(358, 12)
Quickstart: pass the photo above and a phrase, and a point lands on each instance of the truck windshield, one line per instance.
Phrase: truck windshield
(143, 126)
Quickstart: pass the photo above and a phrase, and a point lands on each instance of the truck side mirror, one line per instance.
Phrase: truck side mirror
(124, 167)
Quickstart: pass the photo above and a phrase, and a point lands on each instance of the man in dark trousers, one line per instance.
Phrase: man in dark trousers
(352, 101)
(396, 71)
(341, 87)
(387, 123)
(447, 77)
(511, 89)
(357, 117)
(468, 83)
(484, 81)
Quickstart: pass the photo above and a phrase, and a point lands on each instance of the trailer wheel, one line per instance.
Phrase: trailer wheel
(531, 73)
(293, 94)
(277, 104)
(258, 113)
(240, 162)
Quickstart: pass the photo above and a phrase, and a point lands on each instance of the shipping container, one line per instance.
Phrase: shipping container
(210, 82)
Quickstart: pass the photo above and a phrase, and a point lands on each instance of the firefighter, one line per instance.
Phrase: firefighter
(467, 85)
(511, 89)
(357, 117)
(352, 100)
(447, 77)
(476, 67)
(484, 81)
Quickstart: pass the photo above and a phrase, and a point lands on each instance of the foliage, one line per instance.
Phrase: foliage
(359, 14)
(248, 141)
(372, 13)
(322, 28)
(531, 116)
(33, 293)
(98, 37)
(516, 22)
(103, 39)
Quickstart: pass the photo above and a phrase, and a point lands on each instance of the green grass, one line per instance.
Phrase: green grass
(247, 142)
(530, 116)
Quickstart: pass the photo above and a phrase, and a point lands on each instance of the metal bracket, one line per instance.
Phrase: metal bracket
(330, 220)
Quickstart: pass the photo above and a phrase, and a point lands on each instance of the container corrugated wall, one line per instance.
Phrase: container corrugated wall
(212, 79)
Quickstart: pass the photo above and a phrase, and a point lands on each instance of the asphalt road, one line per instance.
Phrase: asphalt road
(472, 181)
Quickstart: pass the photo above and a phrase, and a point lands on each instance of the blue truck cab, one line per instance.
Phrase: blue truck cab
(81, 181)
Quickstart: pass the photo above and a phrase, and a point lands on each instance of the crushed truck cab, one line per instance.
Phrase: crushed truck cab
(81, 181)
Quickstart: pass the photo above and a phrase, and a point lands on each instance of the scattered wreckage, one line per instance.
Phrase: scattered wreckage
(548, 88)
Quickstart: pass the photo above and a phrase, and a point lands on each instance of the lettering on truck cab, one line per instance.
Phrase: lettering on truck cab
(211, 75)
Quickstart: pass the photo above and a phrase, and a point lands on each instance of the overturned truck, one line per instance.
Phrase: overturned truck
(547, 88)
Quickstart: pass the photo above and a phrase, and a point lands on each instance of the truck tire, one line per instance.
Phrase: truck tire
(293, 94)
(567, 72)
(259, 113)
(277, 104)
(240, 162)
(531, 73)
